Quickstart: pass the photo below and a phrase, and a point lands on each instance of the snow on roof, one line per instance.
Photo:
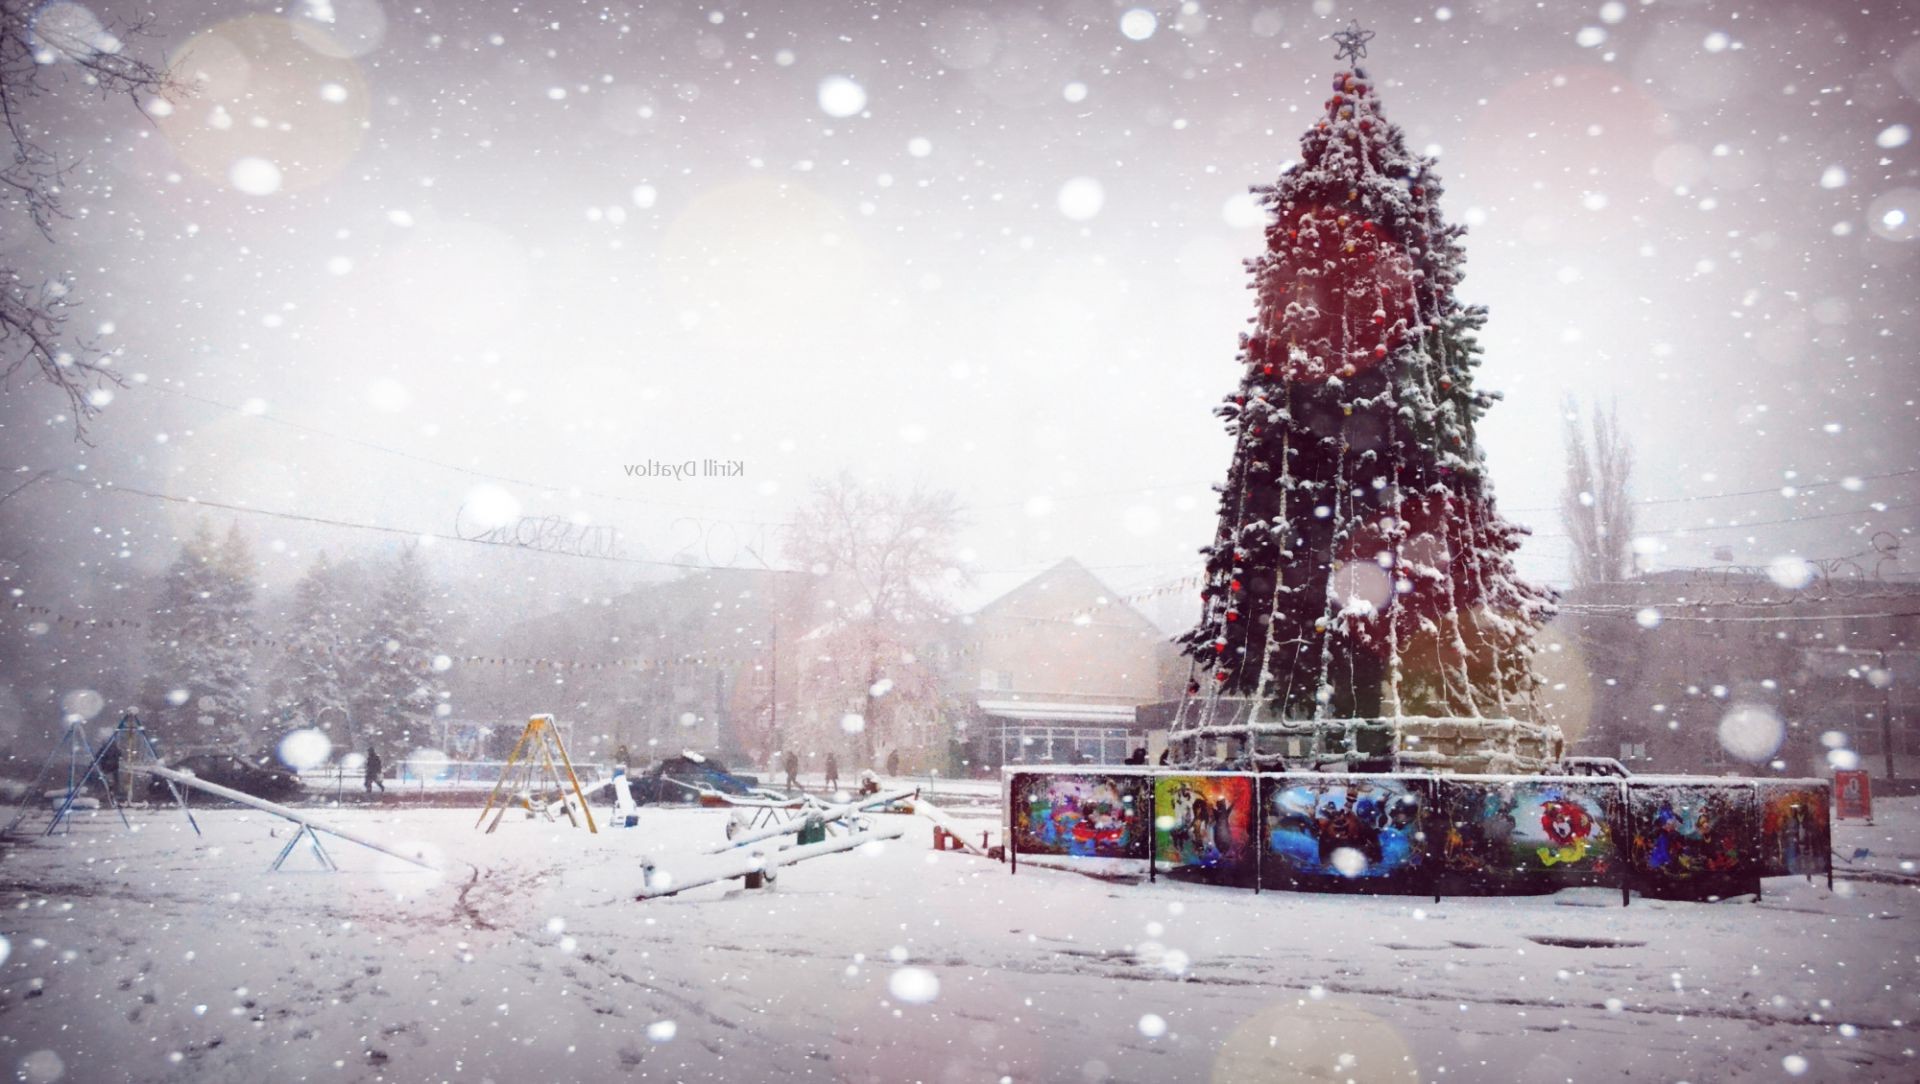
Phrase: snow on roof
(1059, 712)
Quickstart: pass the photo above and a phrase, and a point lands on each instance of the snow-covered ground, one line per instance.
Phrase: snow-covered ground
(156, 956)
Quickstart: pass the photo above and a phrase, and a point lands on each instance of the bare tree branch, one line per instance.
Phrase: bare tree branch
(40, 48)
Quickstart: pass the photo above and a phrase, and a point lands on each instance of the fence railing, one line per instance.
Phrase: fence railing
(427, 774)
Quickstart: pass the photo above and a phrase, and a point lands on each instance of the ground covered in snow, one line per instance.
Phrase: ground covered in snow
(156, 956)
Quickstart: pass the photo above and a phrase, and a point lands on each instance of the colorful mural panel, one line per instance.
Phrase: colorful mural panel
(1088, 816)
(1351, 828)
(1796, 834)
(1554, 832)
(1205, 822)
(1692, 831)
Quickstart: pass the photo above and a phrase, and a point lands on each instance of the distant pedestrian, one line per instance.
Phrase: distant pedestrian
(792, 764)
(1138, 756)
(110, 764)
(374, 767)
(893, 762)
(1164, 752)
(833, 772)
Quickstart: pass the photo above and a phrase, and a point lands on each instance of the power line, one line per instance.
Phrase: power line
(1665, 617)
(297, 517)
(1764, 522)
(471, 472)
(1649, 502)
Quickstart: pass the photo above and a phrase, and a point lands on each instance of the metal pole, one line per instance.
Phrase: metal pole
(1886, 716)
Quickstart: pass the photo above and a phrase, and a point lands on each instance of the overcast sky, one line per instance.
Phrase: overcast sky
(995, 249)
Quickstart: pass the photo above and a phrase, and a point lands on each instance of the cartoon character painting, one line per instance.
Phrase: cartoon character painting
(1795, 829)
(1568, 828)
(1685, 832)
(1203, 821)
(1550, 831)
(1088, 816)
(1356, 830)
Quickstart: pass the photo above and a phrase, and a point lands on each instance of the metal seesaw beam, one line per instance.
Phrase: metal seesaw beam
(186, 779)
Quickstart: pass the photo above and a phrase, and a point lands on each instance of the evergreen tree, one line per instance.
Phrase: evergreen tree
(398, 692)
(1359, 569)
(201, 653)
(310, 684)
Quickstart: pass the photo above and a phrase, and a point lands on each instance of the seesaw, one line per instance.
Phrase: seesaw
(757, 868)
(308, 825)
(817, 816)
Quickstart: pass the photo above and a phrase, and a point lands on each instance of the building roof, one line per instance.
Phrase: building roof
(1062, 592)
(1049, 712)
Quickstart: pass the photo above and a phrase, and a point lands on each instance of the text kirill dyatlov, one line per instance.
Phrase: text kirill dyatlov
(680, 470)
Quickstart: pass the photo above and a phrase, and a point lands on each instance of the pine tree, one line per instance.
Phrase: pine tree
(1359, 569)
(201, 653)
(310, 688)
(398, 690)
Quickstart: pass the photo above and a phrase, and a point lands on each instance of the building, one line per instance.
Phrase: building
(1727, 671)
(687, 663)
(1054, 671)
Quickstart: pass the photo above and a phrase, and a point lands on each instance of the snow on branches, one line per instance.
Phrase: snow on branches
(1359, 568)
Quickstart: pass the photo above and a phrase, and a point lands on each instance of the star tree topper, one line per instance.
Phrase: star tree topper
(1353, 42)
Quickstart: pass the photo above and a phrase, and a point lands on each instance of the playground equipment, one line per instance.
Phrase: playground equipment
(626, 812)
(309, 827)
(128, 741)
(811, 817)
(946, 835)
(545, 752)
(758, 868)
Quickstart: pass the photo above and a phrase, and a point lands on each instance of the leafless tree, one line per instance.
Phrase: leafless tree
(880, 556)
(42, 45)
(1596, 507)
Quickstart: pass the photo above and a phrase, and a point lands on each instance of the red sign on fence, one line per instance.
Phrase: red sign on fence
(1852, 795)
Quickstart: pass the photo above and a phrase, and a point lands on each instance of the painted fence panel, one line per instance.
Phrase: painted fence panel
(1203, 826)
(1796, 828)
(1526, 835)
(1080, 814)
(1352, 832)
(1693, 838)
(1678, 836)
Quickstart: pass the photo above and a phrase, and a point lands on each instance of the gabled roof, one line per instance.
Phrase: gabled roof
(1062, 592)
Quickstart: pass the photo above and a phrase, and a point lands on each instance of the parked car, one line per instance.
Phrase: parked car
(691, 777)
(1604, 767)
(261, 780)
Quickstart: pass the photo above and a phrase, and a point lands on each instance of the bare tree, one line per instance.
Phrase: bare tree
(881, 556)
(40, 45)
(1595, 506)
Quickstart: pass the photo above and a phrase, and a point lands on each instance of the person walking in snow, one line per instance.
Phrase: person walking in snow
(792, 764)
(110, 765)
(833, 772)
(374, 767)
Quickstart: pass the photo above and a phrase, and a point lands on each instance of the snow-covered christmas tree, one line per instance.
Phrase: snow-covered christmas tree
(1361, 608)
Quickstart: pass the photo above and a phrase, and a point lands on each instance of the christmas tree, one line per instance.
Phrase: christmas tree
(1361, 606)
